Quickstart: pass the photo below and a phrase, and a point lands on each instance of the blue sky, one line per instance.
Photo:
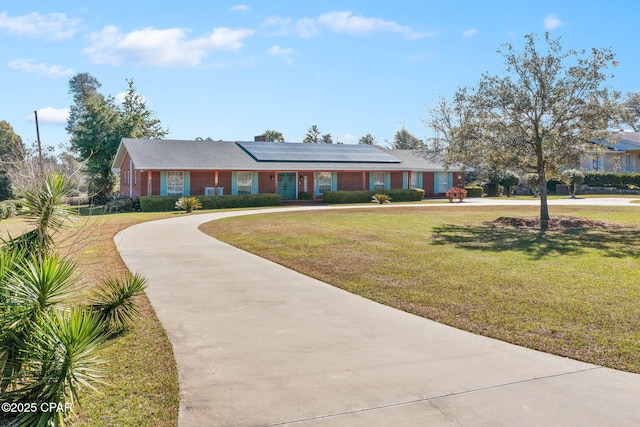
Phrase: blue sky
(231, 70)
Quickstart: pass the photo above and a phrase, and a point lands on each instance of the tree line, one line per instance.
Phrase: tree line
(546, 108)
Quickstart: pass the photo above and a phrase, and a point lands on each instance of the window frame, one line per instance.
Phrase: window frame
(173, 182)
(325, 185)
(244, 185)
(378, 185)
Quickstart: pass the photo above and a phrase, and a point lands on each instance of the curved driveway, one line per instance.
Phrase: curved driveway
(258, 344)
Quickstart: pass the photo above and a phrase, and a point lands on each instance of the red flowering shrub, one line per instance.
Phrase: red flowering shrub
(456, 193)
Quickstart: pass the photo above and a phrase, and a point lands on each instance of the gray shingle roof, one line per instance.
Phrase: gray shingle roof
(166, 154)
(627, 141)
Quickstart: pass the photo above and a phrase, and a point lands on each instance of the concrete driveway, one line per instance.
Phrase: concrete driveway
(257, 344)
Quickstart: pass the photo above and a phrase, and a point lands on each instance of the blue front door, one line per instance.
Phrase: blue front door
(287, 185)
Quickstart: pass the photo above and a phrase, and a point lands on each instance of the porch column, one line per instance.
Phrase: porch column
(149, 183)
(275, 181)
(215, 183)
(313, 185)
(364, 181)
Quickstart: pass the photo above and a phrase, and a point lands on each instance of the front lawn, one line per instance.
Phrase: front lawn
(141, 380)
(573, 292)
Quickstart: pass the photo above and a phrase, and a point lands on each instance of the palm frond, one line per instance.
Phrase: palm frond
(114, 302)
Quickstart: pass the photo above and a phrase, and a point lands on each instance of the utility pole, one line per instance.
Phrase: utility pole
(41, 160)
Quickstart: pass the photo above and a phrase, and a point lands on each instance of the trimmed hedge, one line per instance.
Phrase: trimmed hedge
(474, 190)
(401, 195)
(168, 203)
(623, 181)
(7, 209)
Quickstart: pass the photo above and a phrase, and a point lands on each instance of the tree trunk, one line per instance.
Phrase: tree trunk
(542, 175)
(544, 208)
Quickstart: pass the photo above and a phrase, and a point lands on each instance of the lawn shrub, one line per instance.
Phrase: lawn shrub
(622, 181)
(380, 199)
(122, 204)
(168, 203)
(400, 195)
(188, 204)
(7, 209)
(158, 203)
(474, 190)
(456, 193)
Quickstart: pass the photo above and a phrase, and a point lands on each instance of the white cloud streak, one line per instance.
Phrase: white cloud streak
(277, 50)
(54, 26)
(347, 22)
(286, 53)
(54, 116)
(471, 32)
(160, 48)
(30, 66)
(240, 8)
(344, 22)
(551, 22)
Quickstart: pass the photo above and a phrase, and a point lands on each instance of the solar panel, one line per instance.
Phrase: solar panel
(329, 153)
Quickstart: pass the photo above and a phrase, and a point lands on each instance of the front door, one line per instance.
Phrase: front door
(443, 183)
(287, 185)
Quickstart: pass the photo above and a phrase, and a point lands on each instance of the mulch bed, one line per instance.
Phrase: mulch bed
(556, 222)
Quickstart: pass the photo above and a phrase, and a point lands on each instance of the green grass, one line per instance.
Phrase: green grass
(141, 382)
(572, 292)
(14, 226)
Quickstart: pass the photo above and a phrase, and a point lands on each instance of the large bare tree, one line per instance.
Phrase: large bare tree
(538, 115)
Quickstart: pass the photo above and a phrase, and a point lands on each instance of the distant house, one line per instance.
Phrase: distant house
(176, 168)
(621, 157)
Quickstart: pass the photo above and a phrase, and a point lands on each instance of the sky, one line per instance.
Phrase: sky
(232, 70)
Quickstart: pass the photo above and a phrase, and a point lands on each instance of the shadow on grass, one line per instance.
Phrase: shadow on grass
(615, 242)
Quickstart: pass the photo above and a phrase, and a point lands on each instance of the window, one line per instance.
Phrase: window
(175, 183)
(245, 181)
(378, 180)
(415, 180)
(595, 163)
(627, 166)
(324, 182)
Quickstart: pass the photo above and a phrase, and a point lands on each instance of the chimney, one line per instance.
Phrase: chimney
(260, 138)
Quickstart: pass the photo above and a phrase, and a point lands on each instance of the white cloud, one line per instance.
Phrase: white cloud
(50, 115)
(339, 22)
(29, 66)
(306, 28)
(163, 48)
(551, 22)
(347, 22)
(277, 50)
(284, 52)
(276, 20)
(55, 26)
(240, 8)
(471, 32)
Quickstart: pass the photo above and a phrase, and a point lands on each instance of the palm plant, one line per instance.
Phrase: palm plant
(188, 203)
(64, 360)
(50, 353)
(29, 291)
(114, 302)
(45, 206)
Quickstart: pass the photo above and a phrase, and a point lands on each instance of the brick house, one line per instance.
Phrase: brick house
(178, 167)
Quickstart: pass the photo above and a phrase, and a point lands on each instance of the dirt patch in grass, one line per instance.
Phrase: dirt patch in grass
(555, 223)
